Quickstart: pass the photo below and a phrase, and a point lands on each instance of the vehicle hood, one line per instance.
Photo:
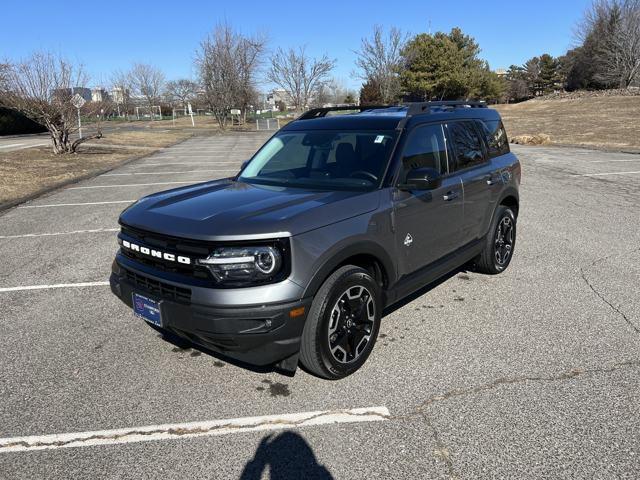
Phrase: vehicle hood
(230, 210)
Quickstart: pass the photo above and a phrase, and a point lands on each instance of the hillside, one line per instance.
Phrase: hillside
(607, 122)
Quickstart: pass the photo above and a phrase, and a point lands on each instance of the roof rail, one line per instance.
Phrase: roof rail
(322, 112)
(416, 108)
(413, 108)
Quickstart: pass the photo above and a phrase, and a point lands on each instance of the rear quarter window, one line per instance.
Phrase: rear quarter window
(495, 136)
(467, 144)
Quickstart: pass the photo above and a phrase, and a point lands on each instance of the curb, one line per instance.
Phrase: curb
(4, 207)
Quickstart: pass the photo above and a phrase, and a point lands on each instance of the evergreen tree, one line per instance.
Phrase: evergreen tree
(447, 66)
(370, 93)
(548, 76)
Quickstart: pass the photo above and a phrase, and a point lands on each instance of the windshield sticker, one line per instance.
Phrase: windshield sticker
(379, 139)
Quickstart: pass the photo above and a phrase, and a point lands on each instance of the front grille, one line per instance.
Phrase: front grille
(192, 273)
(156, 287)
(172, 245)
(172, 267)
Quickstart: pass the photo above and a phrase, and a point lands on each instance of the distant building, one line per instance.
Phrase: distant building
(99, 95)
(70, 92)
(119, 95)
(501, 72)
(83, 92)
(277, 96)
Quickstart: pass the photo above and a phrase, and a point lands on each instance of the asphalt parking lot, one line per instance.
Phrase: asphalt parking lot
(532, 373)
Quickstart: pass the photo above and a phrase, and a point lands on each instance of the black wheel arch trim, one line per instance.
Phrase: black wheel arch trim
(342, 253)
(508, 192)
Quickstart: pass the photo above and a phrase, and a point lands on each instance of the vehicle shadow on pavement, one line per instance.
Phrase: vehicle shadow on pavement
(184, 344)
(426, 289)
(286, 456)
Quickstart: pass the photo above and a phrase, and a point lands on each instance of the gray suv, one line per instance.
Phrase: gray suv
(335, 218)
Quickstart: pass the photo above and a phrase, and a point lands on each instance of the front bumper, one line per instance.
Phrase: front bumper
(261, 334)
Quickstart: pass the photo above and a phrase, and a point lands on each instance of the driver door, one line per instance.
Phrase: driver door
(428, 222)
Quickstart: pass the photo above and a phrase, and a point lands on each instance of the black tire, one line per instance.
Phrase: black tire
(353, 323)
(493, 259)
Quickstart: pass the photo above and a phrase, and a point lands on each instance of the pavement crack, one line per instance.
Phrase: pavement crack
(604, 299)
(566, 375)
(441, 451)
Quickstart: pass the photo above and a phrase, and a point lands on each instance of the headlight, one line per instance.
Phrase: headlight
(251, 264)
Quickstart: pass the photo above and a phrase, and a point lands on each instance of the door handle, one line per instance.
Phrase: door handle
(450, 196)
(491, 181)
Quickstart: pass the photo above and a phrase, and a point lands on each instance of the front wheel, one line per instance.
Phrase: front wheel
(500, 243)
(342, 325)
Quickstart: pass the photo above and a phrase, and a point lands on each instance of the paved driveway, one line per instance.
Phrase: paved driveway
(533, 373)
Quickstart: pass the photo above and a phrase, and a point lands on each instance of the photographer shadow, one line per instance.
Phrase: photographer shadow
(287, 455)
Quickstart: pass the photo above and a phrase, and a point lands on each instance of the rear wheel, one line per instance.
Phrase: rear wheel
(342, 325)
(500, 243)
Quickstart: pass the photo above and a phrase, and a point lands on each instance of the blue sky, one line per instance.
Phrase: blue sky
(106, 36)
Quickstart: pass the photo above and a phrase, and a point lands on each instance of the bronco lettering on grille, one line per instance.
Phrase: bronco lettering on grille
(170, 257)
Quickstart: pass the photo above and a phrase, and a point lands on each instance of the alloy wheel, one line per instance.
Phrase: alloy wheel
(351, 323)
(504, 240)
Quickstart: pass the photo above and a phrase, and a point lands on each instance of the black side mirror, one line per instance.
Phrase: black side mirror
(424, 178)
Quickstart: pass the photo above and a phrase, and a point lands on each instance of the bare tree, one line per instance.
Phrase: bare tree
(299, 75)
(228, 63)
(147, 82)
(379, 59)
(4, 75)
(120, 92)
(335, 92)
(249, 55)
(182, 91)
(614, 26)
(41, 88)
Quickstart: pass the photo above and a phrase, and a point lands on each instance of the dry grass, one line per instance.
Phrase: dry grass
(142, 138)
(606, 123)
(24, 173)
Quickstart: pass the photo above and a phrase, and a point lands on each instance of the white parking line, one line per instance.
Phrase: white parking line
(620, 160)
(237, 162)
(75, 204)
(165, 173)
(602, 174)
(130, 185)
(57, 285)
(31, 235)
(192, 429)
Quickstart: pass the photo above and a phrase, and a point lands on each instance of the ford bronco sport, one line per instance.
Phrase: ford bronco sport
(335, 218)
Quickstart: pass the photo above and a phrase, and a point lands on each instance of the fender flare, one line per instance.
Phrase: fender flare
(341, 252)
(508, 192)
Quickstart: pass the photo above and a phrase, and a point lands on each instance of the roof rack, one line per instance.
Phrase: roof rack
(322, 112)
(413, 108)
(416, 108)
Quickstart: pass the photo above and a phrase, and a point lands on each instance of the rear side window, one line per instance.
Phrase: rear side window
(466, 145)
(496, 137)
(425, 147)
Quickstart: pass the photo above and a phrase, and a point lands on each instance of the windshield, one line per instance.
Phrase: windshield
(325, 160)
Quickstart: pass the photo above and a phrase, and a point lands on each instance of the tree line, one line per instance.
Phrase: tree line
(392, 65)
(446, 66)
(608, 55)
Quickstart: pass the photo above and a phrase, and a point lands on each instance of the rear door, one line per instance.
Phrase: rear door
(427, 223)
(471, 163)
